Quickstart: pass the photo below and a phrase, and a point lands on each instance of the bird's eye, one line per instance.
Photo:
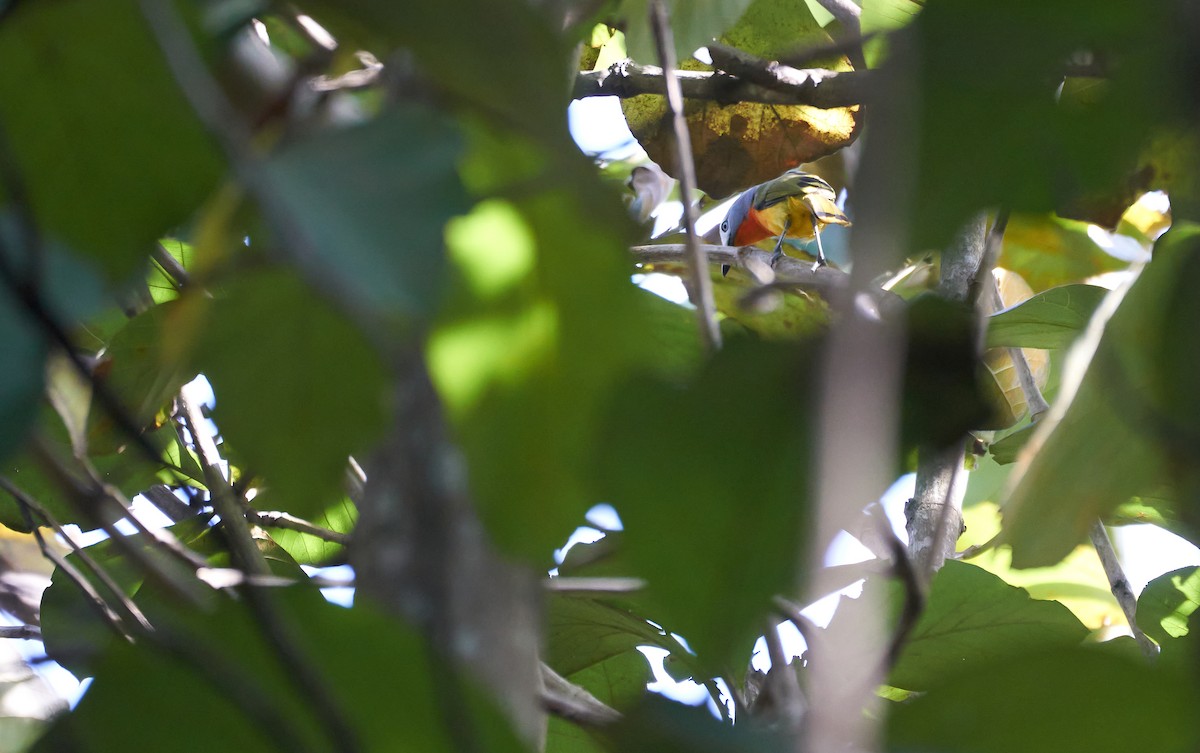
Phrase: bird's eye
(725, 226)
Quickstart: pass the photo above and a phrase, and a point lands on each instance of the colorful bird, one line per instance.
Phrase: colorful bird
(794, 205)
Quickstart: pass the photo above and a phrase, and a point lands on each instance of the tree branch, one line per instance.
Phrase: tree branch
(290, 522)
(564, 699)
(700, 284)
(251, 561)
(815, 87)
(934, 515)
(21, 632)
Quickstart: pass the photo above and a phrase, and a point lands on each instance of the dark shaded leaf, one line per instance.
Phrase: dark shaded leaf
(1074, 699)
(710, 484)
(109, 166)
(660, 726)
(373, 200)
(298, 388)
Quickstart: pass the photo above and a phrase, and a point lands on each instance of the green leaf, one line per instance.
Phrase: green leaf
(162, 286)
(694, 23)
(74, 633)
(990, 135)
(108, 166)
(298, 388)
(369, 664)
(1051, 319)
(1074, 699)
(1165, 608)
(373, 200)
(514, 42)
(526, 350)
(1049, 251)
(710, 483)
(22, 376)
(1109, 444)
(68, 288)
(660, 726)
(888, 15)
(584, 633)
(139, 373)
(973, 618)
(310, 550)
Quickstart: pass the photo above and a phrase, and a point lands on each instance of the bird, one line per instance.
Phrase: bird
(797, 205)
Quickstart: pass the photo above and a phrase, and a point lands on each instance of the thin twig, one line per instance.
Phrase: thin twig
(21, 632)
(30, 507)
(251, 561)
(847, 14)
(564, 699)
(170, 266)
(1120, 586)
(91, 595)
(786, 695)
(594, 585)
(277, 519)
(94, 500)
(1038, 407)
(700, 282)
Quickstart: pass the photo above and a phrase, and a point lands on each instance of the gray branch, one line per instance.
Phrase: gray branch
(815, 87)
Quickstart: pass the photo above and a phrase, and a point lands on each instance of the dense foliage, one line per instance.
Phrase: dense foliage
(366, 225)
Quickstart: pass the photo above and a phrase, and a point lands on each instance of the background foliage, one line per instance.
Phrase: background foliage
(386, 238)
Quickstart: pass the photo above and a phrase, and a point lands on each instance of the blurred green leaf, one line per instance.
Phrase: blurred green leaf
(373, 667)
(530, 343)
(108, 166)
(1051, 319)
(1049, 251)
(373, 199)
(1073, 699)
(23, 374)
(945, 386)
(298, 388)
(710, 484)
(974, 618)
(1114, 438)
(138, 371)
(694, 23)
(513, 42)
(1166, 606)
(586, 632)
(69, 288)
(992, 132)
(661, 726)
(73, 631)
(887, 15)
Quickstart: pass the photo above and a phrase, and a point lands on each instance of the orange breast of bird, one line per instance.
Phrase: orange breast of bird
(768, 222)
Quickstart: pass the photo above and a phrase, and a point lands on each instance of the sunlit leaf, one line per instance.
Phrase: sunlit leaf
(973, 618)
(1107, 445)
(1051, 319)
(1166, 606)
